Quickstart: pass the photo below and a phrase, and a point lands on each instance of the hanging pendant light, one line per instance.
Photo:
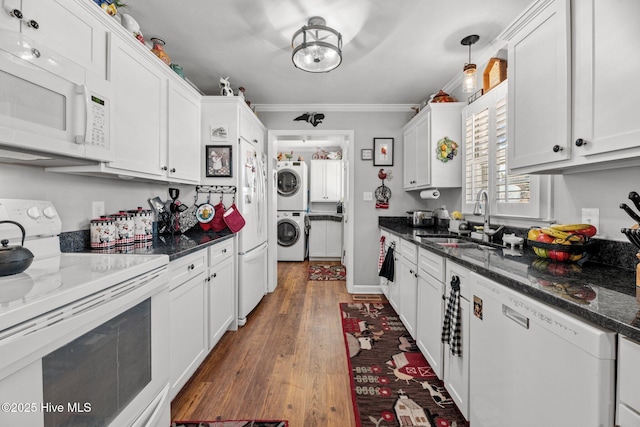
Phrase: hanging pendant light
(469, 71)
(316, 47)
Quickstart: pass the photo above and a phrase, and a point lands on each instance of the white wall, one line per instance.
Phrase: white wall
(72, 195)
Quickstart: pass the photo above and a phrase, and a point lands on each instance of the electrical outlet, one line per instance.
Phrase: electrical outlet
(367, 196)
(591, 216)
(97, 209)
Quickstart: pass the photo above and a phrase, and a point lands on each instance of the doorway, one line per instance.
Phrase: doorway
(305, 142)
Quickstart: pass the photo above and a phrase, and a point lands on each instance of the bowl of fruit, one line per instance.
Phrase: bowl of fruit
(561, 242)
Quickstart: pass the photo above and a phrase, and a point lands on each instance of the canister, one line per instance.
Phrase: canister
(125, 228)
(143, 224)
(103, 233)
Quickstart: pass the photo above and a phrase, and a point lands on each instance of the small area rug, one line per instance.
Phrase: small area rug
(230, 423)
(391, 382)
(327, 272)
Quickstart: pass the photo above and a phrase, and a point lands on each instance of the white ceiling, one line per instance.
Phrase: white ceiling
(395, 52)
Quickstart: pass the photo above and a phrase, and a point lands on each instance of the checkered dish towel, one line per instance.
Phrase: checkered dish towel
(381, 258)
(451, 327)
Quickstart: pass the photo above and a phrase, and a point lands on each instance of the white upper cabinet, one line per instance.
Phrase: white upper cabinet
(430, 138)
(606, 73)
(325, 182)
(539, 85)
(184, 135)
(65, 26)
(140, 113)
(571, 86)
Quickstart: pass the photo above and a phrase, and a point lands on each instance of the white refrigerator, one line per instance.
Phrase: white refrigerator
(252, 239)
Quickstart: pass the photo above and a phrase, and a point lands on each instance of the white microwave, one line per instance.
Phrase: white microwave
(49, 104)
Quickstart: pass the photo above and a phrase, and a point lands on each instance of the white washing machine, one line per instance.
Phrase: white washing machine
(292, 186)
(291, 236)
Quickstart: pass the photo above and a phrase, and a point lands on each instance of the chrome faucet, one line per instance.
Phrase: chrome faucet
(487, 232)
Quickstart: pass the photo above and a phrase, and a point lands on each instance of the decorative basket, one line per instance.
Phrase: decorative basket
(559, 252)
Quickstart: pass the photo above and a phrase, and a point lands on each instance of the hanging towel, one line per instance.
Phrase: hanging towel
(381, 257)
(388, 268)
(451, 327)
(217, 223)
(233, 219)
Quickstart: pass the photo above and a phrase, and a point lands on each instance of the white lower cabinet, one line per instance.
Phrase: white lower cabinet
(628, 385)
(407, 273)
(456, 368)
(188, 317)
(221, 291)
(325, 239)
(430, 309)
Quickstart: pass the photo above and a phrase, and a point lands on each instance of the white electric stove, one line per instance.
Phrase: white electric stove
(72, 321)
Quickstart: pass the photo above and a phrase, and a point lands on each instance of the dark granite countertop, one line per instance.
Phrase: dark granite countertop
(598, 293)
(175, 246)
(324, 216)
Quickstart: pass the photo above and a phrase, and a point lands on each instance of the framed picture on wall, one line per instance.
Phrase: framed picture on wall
(219, 161)
(382, 151)
(366, 154)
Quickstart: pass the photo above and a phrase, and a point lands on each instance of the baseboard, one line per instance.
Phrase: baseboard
(366, 289)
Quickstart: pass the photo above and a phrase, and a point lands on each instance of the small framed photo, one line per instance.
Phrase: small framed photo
(219, 133)
(366, 154)
(219, 161)
(382, 151)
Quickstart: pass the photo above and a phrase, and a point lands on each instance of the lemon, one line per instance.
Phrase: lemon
(456, 215)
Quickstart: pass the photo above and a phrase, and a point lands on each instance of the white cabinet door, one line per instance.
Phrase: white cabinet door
(422, 152)
(606, 67)
(429, 321)
(318, 239)
(539, 83)
(61, 25)
(140, 111)
(408, 283)
(409, 172)
(333, 242)
(221, 299)
(188, 338)
(394, 286)
(325, 181)
(184, 135)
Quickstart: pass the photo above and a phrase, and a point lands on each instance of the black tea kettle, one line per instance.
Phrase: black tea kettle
(14, 259)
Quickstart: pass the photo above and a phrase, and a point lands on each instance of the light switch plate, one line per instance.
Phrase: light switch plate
(591, 216)
(367, 196)
(97, 209)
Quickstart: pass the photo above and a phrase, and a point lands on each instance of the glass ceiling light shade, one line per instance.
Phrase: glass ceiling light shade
(469, 71)
(316, 47)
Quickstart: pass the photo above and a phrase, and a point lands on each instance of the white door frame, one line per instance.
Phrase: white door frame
(348, 147)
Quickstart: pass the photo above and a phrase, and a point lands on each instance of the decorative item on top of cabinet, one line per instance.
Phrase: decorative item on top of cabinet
(314, 118)
(494, 73)
(225, 87)
(158, 50)
(382, 151)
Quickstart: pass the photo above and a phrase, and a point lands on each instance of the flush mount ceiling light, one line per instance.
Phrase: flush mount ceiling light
(469, 72)
(316, 47)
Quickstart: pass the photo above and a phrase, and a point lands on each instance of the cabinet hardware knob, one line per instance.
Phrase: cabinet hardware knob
(224, 251)
(164, 168)
(35, 52)
(16, 13)
(580, 142)
(557, 148)
(191, 267)
(173, 170)
(33, 24)
(215, 274)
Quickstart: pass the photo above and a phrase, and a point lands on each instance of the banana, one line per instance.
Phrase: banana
(570, 227)
(558, 234)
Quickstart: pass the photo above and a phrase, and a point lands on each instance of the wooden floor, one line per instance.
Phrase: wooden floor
(287, 362)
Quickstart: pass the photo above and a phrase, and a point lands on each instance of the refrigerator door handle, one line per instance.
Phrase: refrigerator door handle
(515, 316)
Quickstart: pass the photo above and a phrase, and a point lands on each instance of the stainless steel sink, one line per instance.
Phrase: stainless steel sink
(456, 242)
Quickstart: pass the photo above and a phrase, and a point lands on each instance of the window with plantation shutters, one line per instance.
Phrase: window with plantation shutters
(486, 160)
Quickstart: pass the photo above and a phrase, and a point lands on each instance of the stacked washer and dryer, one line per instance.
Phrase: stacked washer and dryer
(292, 210)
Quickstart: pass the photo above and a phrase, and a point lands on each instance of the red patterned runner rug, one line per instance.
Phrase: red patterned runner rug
(391, 382)
(230, 423)
(327, 272)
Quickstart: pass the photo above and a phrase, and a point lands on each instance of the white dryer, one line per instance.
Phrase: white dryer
(291, 236)
(292, 186)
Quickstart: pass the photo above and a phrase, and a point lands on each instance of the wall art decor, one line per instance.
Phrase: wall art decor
(366, 154)
(382, 151)
(314, 118)
(219, 161)
(219, 132)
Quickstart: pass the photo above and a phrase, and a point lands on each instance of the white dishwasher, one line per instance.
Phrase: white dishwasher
(533, 365)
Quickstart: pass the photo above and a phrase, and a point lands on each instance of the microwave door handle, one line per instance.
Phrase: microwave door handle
(83, 137)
